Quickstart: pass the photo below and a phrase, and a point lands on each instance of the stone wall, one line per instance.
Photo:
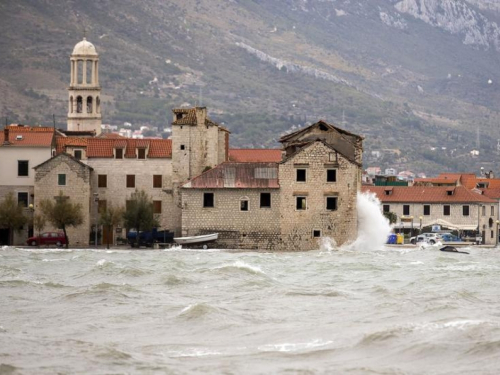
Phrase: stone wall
(298, 226)
(257, 228)
(117, 193)
(77, 188)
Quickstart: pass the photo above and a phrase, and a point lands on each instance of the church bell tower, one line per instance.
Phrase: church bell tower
(84, 110)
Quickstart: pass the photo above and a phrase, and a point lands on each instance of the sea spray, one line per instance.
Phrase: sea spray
(373, 226)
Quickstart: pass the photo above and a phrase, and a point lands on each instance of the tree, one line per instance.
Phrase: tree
(391, 216)
(39, 222)
(61, 213)
(139, 213)
(12, 215)
(110, 217)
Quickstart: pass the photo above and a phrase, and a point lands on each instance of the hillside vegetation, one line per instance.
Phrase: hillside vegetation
(380, 68)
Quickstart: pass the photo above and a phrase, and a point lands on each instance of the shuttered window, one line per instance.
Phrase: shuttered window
(131, 180)
(102, 181)
(157, 181)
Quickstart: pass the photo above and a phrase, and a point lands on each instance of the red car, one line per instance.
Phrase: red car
(48, 238)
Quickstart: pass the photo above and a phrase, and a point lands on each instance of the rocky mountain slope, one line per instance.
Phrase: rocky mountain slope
(419, 76)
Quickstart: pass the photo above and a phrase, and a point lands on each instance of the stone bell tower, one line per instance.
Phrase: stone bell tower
(84, 112)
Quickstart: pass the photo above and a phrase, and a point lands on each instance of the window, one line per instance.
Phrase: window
(141, 153)
(157, 207)
(102, 180)
(61, 179)
(406, 209)
(301, 175)
(316, 233)
(78, 154)
(492, 234)
(331, 203)
(446, 210)
(244, 204)
(157, 181)
(300, 203)
(22, 168)
(387, 208)
(208, 200)
(484, 210)
(265, 200)
(331, 175)
(465, 210)
(22, 199)
(427, 209)
(119, 153)
(332, 156)
(131, 180)
(183, 147)
(492, 211)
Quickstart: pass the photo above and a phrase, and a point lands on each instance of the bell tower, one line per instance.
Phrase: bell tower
(84, 109)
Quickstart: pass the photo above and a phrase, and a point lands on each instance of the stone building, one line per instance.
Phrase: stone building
(63, 173)
(451, 207)
(288, 204)
(21, 148)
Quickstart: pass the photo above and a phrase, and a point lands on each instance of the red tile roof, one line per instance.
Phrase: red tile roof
(426, 194)
(238, 176)
(104, 147)
(249, 155)
(27, 136)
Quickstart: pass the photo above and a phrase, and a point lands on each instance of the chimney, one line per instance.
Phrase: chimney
(6, 136)
(201, 115)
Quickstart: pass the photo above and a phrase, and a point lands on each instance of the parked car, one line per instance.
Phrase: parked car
(47, 238)
(431, 238)
(447, 237)
(149, 238)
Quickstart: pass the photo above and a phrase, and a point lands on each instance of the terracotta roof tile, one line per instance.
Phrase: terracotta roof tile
(427, 194)
(237, 176)
(104, 147)
(27, 136)
(249, 155)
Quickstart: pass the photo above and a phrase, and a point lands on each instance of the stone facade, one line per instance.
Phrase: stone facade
(78, 187)
(116, 192)
(257, 228)
(314, 196)
(301, 228)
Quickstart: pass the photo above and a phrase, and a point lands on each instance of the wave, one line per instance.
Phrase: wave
(8, 369)
(104, 289)
(197, 311)
(241, 266)
(192, 352)
(21, 283)
(293, 347)
(331, 293)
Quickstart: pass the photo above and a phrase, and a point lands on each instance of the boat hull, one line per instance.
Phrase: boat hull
(197, 240)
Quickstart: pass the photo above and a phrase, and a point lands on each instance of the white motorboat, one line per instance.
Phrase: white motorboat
(197, 240)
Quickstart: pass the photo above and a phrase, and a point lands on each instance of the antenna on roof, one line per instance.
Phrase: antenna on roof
(84, 32)
(201, 97)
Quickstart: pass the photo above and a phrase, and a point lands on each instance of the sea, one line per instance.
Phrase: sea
(362, 308)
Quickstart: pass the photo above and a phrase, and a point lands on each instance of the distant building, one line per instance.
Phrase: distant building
(390, 172)
(21, 148)
(454, 208)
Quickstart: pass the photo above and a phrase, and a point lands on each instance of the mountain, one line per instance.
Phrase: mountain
(418, 78)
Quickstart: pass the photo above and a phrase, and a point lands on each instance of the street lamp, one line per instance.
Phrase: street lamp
(96, 200)
(420, 218)
(32, 210)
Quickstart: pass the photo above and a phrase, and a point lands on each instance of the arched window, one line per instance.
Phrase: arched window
(89, 104)
(79, 104)
(71, 104)
(98, 105)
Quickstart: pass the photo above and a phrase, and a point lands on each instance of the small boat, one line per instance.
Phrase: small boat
(452, 249)
(197, 240)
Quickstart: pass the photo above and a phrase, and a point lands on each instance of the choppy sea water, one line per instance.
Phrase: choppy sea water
(390, 311)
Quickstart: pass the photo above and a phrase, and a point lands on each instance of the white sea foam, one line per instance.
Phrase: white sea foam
(55, 260)
(193, 352)
(293, 347)
(102, 262)
(245, 266)
(373, 226)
